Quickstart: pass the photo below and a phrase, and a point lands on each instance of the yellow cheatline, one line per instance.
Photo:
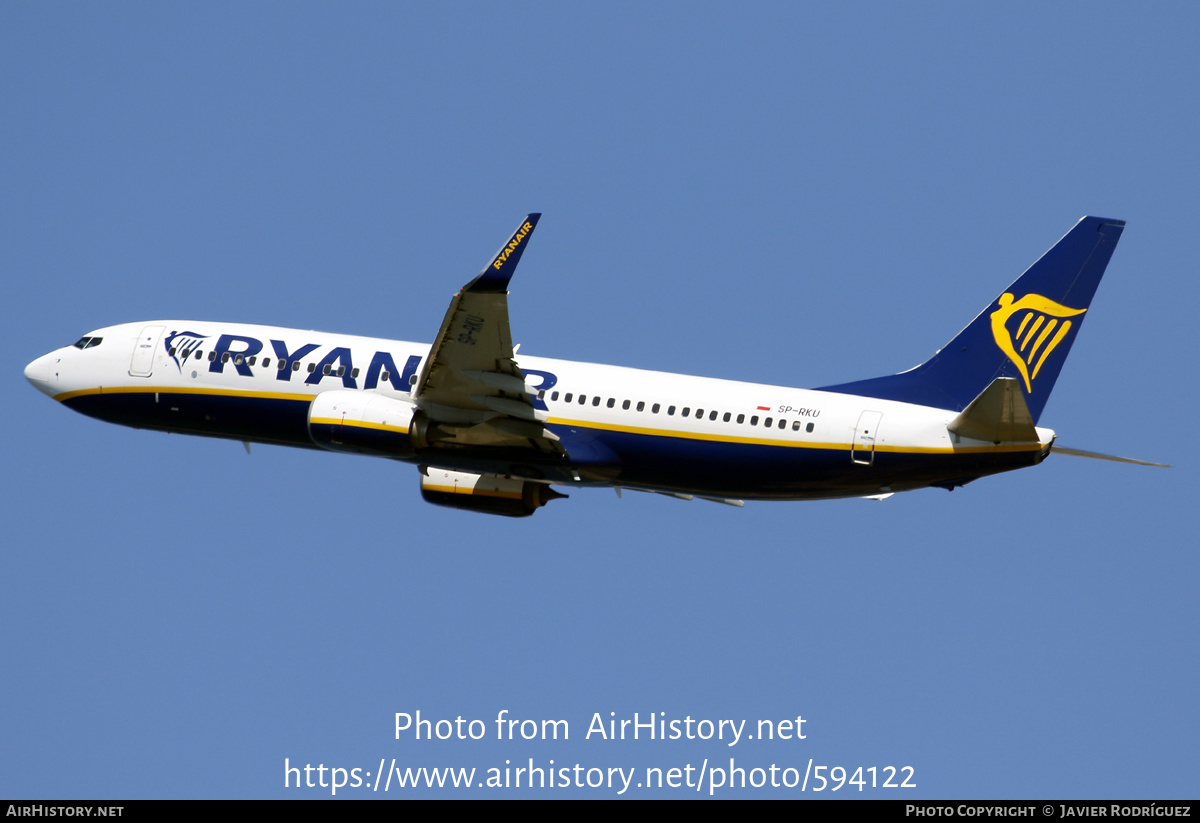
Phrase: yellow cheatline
(758, 441)
(717, 438)
(183, 390)
(586, 424)
(358, 424)
(468, 490)
(1007, 447)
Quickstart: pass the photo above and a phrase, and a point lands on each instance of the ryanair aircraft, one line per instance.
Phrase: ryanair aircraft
(491, 432)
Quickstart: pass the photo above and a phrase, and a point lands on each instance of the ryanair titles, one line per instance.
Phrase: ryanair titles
(513, 245)
(241, 353)
(307, 362)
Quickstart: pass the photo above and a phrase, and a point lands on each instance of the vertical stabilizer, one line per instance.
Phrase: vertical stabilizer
(1025, 333)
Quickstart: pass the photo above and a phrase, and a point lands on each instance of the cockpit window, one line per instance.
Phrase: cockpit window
(88, 342)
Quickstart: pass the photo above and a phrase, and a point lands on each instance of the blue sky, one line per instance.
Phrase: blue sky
(782, 193)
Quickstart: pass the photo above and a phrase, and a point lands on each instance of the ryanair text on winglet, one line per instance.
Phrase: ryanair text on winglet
(512, 245)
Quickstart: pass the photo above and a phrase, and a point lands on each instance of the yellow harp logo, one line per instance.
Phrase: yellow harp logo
(1034, 338)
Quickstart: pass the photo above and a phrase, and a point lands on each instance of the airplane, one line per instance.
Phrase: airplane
(492, 432)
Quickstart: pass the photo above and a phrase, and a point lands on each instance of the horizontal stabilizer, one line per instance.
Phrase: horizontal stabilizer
(1113, 458)
(999, 414)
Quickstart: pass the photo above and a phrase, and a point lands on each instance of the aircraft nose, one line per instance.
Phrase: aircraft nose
(41, 375)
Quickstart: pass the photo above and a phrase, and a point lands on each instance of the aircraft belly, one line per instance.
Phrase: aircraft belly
(597, 456)
(757, 471)
(258, 419)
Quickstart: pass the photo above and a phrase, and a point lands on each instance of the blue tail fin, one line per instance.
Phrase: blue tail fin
(1025, 333)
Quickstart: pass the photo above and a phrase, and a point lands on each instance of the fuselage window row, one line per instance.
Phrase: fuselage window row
(281, 364)
(686, 411)
(385, 376)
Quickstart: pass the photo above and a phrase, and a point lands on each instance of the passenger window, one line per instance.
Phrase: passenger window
(699, 414)
(625, 405)
(212, 357)
(713, 416)
(642, 405)
(611, 402)
(324, 370)
(542, 394)
(726, 417)
(741, 418)
(296, 365)
(354, 373)
(385, 376)
(782, 423)
(686, 411)
(653, 408)
(341, 371)
(796, 426)
(171, 351)
(224, 357)
(767, 422)
(199, 354)
(596, 400)
(312, 367)
(554, 395)
(809, 428)
(671, 410)
(567, 399)
(582, 399)
(282, 364)
(238, 360)
(754, 420)
(253, 359)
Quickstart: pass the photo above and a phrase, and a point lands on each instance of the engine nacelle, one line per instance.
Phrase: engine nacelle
(488, 493)
(360, 422)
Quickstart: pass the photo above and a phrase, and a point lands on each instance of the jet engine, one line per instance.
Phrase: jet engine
(488, 493)
(361, 423)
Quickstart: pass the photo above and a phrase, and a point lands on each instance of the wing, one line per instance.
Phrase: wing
(471, 391)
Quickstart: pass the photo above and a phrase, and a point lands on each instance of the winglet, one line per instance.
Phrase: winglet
(497, 273)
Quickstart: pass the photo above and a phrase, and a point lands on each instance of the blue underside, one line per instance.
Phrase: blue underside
(598, 456)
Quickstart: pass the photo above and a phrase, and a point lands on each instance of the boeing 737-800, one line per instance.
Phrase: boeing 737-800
(490, 431)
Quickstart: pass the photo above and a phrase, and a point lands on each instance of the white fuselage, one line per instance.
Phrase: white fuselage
(620, 426)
